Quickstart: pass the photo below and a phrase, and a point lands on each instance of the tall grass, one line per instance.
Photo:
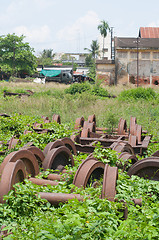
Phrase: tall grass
(51, 98)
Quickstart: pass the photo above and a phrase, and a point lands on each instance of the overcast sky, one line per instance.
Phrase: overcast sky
(70, 25)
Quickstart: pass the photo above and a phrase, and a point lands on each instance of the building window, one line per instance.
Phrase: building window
(122, 54)
(133, 55)
(156, 55)
(145, 55)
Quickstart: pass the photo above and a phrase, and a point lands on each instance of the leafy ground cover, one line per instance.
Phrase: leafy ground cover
(29, 217)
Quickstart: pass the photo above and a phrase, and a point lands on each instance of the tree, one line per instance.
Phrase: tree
(103, 28)
(16, 57)
(46, 57)
(94, 50)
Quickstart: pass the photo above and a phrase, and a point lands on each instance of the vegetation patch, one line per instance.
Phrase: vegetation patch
(138, 93)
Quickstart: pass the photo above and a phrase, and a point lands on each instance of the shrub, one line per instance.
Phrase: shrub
(78, 88)
(138, 93)
(99, 91)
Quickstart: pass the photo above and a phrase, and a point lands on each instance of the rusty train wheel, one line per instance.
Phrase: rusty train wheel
(90, 126)
(51, 145)
(132, 140)
(79, 123)
(89, 169)
(125, 156)
(92, 118)
(109, 182)
(13, 173)
(147, 168)
(133, 123)
(69, 144)
(123, 147)
(60, 156)
(27, 157)
(122, 127)
(138, 133)
(85, 133)
(56, 118)
(38, 154)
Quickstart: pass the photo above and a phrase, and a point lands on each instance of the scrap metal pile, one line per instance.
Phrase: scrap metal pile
(26, 162)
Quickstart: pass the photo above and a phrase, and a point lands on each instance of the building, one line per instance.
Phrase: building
(138, 58)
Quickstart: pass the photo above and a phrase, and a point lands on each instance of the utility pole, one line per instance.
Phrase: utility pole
(137, 61)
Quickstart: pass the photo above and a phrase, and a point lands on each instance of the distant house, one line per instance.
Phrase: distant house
(139, 57)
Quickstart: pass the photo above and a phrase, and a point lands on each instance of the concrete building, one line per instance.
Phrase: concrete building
(139, 58)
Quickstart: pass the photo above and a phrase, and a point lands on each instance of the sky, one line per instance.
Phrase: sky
(70, 25)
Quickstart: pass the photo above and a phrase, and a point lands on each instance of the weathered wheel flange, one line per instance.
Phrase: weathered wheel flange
(90, 125)
(92, 118)
(156, 154)
(125, 156)
(79, 123)
(38, 154)
(123, 147)
(56, 118)
(69, 144)
(51, 145)
(147, 168)
(58, 156)
(138, 133)
(85, 133)
(133, 123)
(109, 182)
(43, 182)
(122, 127)
(13, 142)
(13, 173)
(89, 169)
(27, 157)
(132, 140)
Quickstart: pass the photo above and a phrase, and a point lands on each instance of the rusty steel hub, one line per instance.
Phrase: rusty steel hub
(79, 123)
(147, 168)
(56, 118)
(109, 182)
(89, 170)
(13, 173)
(69, 144)
(60, 156)
(27, 157)
(52, 145)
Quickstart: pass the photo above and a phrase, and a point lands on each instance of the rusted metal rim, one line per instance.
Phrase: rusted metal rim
(69, 144)
(38, 154)
(89, 170)
(147, 168)
(75, 137)
(85, 133)
(125, 156)
(90, 126)
(43, 182)
(109, 182)
(4, 115)
(58, 156)
(92, 118)
(132, 140)
(56, 198)
(138, 133)
(51, 145)
(79, 123)
(122, 126)
(13, 142)
(13, 173)
(56, 118)
(27, 157)
(133, 123)
(123, 147)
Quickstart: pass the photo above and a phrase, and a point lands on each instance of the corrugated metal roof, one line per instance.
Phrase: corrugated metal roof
(149, 32)
(143, 43)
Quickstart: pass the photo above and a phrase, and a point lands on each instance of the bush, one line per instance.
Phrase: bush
(99, 91)
(78, 88)
(138, 93)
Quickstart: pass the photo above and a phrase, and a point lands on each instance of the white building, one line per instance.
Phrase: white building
(107, 46)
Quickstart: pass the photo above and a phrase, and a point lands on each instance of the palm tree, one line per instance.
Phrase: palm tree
(94, 49)
(103, 28)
